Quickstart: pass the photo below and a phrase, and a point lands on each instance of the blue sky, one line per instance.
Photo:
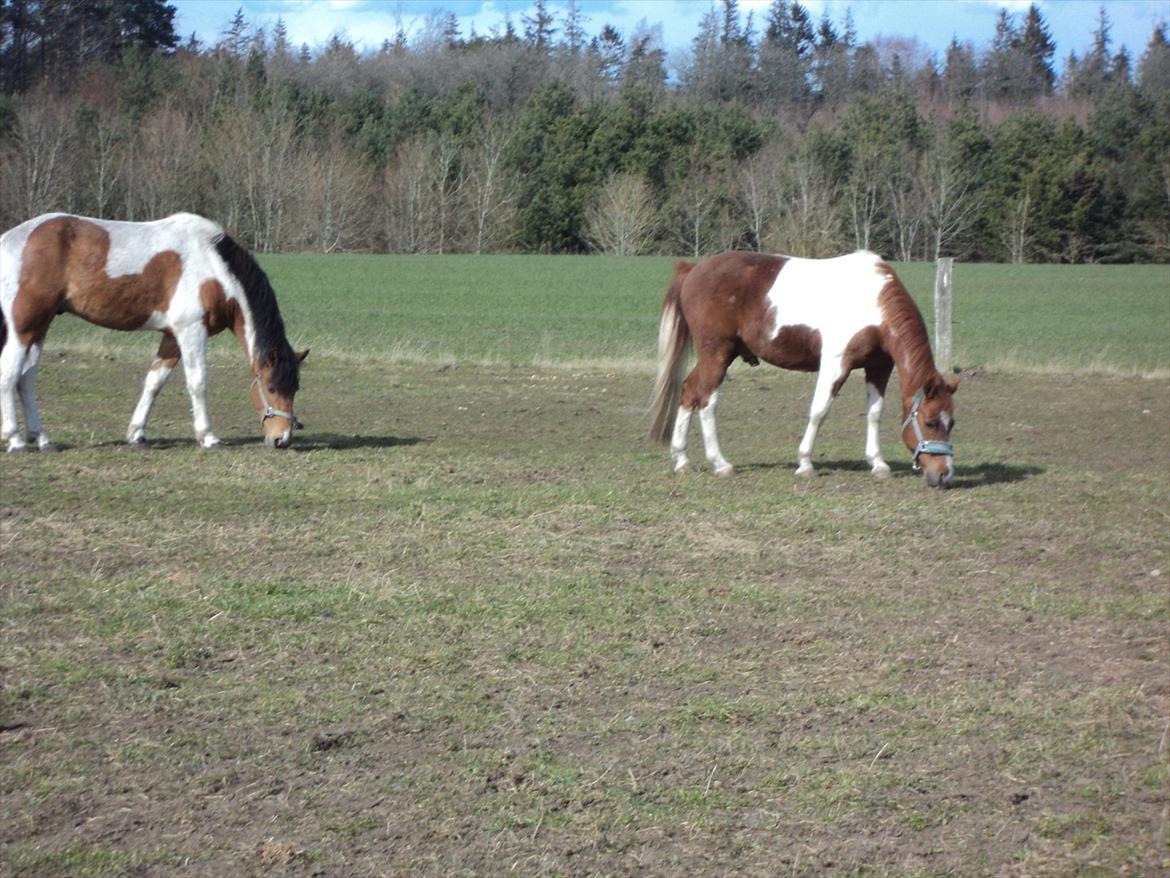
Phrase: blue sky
(932, 22)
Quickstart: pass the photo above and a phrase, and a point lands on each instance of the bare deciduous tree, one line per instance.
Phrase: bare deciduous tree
(167, 155)
(335, 207)
(950, 206)
(622, 220)
(37, 168)
(491, 191)
(806, 222)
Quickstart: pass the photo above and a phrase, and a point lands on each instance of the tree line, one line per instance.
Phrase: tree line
(557, 134)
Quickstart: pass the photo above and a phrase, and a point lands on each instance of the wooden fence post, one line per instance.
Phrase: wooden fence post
(942, 313)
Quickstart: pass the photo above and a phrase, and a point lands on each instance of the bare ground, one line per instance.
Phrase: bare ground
(472, 625)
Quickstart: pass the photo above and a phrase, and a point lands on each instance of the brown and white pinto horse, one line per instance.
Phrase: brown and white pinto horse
(181, 276)
(829, 316)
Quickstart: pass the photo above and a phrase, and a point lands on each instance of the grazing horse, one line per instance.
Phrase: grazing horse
(182, 276)
(829, 316)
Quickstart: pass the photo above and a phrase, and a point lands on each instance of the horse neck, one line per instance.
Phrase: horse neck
(904, 338)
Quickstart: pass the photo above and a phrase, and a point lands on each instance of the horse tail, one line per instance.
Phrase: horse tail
(674, 342)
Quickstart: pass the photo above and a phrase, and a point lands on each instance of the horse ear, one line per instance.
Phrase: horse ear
(302, 354)
(953, 385)
(932, 387)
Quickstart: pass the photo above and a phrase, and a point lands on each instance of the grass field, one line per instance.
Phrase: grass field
(507, 310)
(472, 625)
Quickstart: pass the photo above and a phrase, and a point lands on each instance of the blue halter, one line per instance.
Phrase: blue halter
(924, 446)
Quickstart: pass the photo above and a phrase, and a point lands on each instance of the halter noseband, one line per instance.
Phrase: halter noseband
(924, 446)
(270, 411)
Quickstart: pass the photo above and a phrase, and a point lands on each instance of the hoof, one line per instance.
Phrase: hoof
(214, 446)
(17, 449)
(138, 445)
(805, 472)
(48, 448)
(725, 472)
(881, 473)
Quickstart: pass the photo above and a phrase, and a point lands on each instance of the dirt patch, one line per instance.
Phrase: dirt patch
(518, 645)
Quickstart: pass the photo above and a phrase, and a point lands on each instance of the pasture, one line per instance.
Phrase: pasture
(471, 623)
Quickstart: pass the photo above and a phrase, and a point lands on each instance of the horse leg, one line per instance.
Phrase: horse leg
(876, 378)
(12, 358)
(829, 381)
(26, 386)
(192, 341)
(701, 390)
(156, 378)
(678, 442)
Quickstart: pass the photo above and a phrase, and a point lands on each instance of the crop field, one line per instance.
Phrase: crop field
(471, 624)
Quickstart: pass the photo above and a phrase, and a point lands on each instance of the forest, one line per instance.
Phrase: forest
(558, 133)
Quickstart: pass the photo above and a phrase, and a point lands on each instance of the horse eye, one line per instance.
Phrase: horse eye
(932, 425)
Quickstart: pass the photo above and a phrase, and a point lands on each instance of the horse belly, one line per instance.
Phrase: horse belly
(793, 347)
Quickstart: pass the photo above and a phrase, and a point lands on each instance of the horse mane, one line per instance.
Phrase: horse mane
(267, 326)
(903, 325)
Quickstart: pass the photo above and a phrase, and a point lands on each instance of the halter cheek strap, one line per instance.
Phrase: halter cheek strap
(270, 411)
(924, 446)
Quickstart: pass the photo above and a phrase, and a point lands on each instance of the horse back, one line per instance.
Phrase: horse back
(110, 277)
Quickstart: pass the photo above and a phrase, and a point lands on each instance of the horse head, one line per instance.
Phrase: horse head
(927, 431)
(274, 385)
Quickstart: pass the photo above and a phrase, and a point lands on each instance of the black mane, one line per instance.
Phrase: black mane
(267, 327)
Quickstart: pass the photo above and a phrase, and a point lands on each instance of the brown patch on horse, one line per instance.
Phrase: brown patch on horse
(720, 299)
(904, 331)
(168, 354)
(796, 347)
(219, 312)
(63, 269)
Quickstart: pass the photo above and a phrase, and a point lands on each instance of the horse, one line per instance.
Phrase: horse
(829, 316)
(182, 276)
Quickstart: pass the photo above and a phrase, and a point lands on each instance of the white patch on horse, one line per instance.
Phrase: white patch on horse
(836, 297)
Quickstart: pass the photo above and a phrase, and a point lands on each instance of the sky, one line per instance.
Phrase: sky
(932, 22)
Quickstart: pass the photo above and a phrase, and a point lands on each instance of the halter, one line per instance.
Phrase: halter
(270, 411)
(925, 446)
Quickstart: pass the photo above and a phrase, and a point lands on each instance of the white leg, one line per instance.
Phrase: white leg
(873, 416)
(193, 347)
(818, 411)
(26, 386)
(711, 440)
(156, 379)
(678, 443)
(11, 369)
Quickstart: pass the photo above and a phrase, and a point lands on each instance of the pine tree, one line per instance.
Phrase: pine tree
(1037, 47)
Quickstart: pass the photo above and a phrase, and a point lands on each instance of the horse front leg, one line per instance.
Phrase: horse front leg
(875, 393)
(192, 341)
(829, 381)
(156, 378)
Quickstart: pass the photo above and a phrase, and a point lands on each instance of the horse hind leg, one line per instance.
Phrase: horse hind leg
(156, 378)
(12, 359)
(26, 387)
(701, 391)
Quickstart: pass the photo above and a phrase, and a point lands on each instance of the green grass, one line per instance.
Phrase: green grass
(604, 311)
(472, 625)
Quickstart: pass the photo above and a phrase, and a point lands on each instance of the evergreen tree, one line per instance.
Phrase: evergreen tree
(1154, 67)
(1037, 48)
